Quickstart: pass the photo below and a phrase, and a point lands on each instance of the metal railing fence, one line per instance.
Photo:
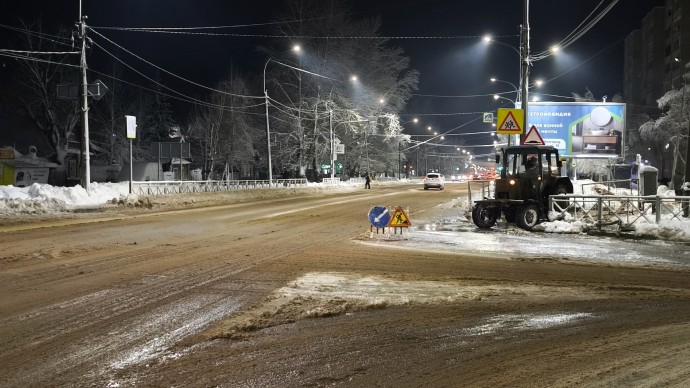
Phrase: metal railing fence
(177, 187)
(623, 211)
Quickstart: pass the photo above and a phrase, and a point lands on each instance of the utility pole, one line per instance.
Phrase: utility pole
(86, 167)
(524, 61)
(686, 179)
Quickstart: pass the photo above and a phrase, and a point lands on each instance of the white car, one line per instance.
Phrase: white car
(434, 179)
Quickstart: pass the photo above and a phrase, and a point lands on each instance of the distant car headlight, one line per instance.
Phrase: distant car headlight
(512, 182)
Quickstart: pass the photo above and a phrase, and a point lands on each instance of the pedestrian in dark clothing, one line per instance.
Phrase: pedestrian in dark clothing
(367, 182)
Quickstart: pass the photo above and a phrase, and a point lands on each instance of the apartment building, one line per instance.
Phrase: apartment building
(655, 56)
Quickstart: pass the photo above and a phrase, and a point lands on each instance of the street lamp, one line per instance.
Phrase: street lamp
(497, 97)
(489, 39)
(515, 88)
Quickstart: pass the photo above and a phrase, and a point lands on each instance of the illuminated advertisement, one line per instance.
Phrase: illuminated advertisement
(580, 128)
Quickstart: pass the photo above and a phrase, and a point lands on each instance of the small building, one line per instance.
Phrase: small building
(23, 170)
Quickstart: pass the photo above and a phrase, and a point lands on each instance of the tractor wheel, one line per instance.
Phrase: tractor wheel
(528, 217)
(484, 215)
(562, 203)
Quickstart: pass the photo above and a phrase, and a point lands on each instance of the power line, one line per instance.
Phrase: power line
(183, 31)
(38, 52)
(26, 58)
(208, 27)
(150, 79)
(170, 73)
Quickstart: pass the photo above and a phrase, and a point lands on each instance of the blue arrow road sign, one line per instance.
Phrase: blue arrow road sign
(379, 216)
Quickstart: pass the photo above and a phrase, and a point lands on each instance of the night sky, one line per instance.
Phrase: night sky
(449, 67)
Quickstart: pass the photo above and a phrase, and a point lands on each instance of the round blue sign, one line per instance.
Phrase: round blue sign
(379, 216)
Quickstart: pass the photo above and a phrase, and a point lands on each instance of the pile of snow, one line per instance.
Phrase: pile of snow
(45, 199)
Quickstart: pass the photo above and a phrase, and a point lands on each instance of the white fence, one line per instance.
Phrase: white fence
(176, 187)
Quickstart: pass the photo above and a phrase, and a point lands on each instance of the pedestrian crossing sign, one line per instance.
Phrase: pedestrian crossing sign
(399, 219)
(510, 121)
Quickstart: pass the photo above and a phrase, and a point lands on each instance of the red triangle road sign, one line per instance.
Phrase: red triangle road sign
(533, 137)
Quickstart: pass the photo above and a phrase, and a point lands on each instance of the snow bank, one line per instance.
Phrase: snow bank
(42, 198)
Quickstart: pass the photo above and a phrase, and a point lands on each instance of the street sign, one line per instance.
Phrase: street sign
(510, 121)
(67, 92)
(339, 148)
(533, 137)
(71, 91)
(379, 216)
(131, 127)
(399, 219)
(488, 117)
(97, 89)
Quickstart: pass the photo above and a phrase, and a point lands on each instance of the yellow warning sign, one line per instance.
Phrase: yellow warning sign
(399, 219)
(510, 121)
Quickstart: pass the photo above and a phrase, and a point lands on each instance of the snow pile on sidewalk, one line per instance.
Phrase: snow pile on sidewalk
(45, 199)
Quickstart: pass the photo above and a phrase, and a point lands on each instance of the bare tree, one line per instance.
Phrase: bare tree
(40, 76)
(305, 105)
(223, 130)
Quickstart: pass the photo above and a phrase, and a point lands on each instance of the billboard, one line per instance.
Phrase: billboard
(580, 128)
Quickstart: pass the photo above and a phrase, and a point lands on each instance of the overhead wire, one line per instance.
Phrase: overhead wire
(170, 73)
(42, 35)
(38, 52)
(192, 101)
(27, 58)
(577, 34)
(182, 95)
(181, 31)
(207, 27)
